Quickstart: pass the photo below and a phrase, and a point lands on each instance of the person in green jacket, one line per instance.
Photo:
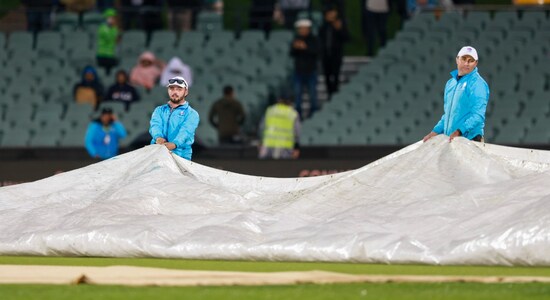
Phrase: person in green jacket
(108, 37)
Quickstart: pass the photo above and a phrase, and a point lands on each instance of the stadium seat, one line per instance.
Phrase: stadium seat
(162, 39)
(507, 18)
(92, 20)
(209, 22)
(18, 40)
(282, 36)
(16, 137)
(66, 21)
(478, 18)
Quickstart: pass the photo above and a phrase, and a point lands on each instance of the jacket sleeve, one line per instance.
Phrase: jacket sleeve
(155, 128)
(89, 140)
(186, 135)
(479, 97)
(120, 130)
(242, 115)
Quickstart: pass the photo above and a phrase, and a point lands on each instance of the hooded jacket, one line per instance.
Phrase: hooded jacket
(176, 67)
(94, 84)
(176, 126)
(145, 76)
(465, 103)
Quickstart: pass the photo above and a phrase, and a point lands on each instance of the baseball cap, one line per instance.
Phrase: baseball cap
(106, 110)
(303, 23)
(177, 81)
(468, 50)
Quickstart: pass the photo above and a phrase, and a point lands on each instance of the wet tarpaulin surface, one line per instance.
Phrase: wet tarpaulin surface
(437, 203)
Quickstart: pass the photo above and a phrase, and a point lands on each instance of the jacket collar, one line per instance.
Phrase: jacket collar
(185, 105)
(454, 73)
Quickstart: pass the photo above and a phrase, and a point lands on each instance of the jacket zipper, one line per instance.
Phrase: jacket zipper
(450, 110)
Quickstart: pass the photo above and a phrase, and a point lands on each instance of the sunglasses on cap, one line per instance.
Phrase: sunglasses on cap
(178, 81)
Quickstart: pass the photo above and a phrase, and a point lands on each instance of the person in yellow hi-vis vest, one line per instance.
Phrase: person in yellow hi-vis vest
(280, 130)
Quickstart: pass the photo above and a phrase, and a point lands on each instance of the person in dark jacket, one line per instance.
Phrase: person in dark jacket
(333, 35)
(261, 14)
(305, 51)
(227, 115)
(122, 91)
(38, 14)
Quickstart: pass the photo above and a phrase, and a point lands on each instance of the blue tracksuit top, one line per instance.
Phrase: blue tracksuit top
(465, 102)
(175, 126)
(102, 141)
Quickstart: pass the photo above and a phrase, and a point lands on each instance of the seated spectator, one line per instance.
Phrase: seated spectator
(107, 39)
(103, 135)
(122, 91)
(174, 68)
(147, 71)
(227, 115)
(89, 89)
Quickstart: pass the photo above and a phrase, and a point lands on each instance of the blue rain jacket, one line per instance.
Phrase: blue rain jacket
(175, 126)
(102, 141)
(464, 105)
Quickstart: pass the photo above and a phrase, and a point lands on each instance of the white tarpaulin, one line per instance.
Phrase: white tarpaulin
(435, 203)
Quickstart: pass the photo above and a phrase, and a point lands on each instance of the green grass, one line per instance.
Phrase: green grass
(302, 292)
(332, 291)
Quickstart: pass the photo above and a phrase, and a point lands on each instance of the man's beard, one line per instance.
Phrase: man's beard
(177, 100)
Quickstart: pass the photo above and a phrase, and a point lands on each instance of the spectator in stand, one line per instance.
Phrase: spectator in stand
(174, 68)
(290, 10)
(214, 5)
(107, 39)
(142, 14)
(227, 115)
(122, 91)
(147, 71)
(182, 15)
(103, 135)
(305, 51)
(338, 4)
(375, 23)
(333, 35)
(38, 14)
(78, 6)
(89, 89)
(261, 14)
(280, 131)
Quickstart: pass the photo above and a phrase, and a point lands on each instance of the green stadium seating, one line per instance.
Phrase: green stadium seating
(17, 137)
(209, 22)
(49, 44)
(20, 40)
(66, 21)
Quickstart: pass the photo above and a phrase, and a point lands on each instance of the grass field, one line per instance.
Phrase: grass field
(331, 291)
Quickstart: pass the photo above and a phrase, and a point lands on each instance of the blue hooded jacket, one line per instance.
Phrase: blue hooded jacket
(102, 141)
(464, 105)
(176, 126)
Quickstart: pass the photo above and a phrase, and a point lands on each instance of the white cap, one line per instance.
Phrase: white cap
(177, 81)
(303, 23)
(468, 50)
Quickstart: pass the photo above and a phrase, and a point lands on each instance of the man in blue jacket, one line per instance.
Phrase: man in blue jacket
(103, 135)
(466, 96)
(173, 124)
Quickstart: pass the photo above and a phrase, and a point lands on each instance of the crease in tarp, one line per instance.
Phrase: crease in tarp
(436, 203)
